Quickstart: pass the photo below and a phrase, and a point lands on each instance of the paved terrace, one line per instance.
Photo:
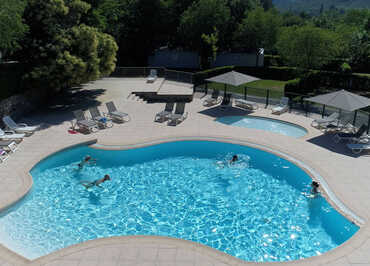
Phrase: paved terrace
(347, 176)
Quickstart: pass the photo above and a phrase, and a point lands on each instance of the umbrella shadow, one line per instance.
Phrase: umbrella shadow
(326, 141)
(218, 111)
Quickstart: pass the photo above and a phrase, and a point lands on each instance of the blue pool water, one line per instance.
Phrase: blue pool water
(262, 123)
(257, 209)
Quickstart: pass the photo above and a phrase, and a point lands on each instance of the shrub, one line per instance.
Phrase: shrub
(345, 68)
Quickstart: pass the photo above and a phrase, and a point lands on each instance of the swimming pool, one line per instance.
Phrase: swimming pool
(263, 123)
(257, 209)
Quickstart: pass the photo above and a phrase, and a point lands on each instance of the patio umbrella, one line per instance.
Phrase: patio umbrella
(343, 100)
(232, 78)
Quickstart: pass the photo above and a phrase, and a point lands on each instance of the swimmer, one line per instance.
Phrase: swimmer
(234, 159)
(88, 184)
(315, 188)
(86, 160)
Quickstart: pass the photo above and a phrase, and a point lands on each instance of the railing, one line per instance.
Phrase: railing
(173, 75)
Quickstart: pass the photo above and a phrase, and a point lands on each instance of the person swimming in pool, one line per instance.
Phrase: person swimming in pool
(234, 159)
(86, 160)
(315, 188)
(88, 184)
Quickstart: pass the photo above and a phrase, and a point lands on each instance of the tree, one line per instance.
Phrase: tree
(308, 46)
(58, 50)
(12, 28)
(210, 46)
(267, 4)
(201, 18)
(258, 30)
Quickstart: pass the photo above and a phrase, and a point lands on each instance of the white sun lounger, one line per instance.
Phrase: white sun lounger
(282, 107)
(115, 114)
(101, 120)
(325, 121)
(8, 145)
(246, 104)
(19, 128)
(357, 148)
(214, 99)
(152, 76)
(163, 115)
(3, 155)
(179, 115)
(85, 124)
(10, 135)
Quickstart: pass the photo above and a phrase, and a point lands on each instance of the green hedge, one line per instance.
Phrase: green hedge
(315, 81)
(273, 60)
(272, 73)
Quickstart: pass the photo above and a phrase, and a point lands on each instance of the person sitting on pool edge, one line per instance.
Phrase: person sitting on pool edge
(315, 188)
(88, 184)
(86, 160)
(234, 159)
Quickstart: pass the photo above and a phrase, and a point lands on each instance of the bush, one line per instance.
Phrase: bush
(345, 68)
(273, 60)
(314, 81)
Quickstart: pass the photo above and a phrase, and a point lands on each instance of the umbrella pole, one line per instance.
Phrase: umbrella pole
(368, 125)
(225, 90)
(323, 111)
(267, 98)
(245, 93)
(354, 118)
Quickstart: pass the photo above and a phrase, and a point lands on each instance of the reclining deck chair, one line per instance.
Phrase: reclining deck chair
(19, 128)
(116, 115)
(85, 124)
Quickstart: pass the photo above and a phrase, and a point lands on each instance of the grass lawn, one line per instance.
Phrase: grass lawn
(255, 88)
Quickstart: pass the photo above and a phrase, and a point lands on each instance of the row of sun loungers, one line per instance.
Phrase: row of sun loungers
(13, 134)
(215, 99)
(99, 120)
(173, 118)
(359, 141)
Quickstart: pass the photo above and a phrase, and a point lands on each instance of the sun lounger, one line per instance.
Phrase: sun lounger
(152, 76)
(246, 104)
(282, 107)
(10, 135)
(354, 137)
(85, 124)
(116, 115)
(3, 155)
(8, 145)
(179, 115)
(325, 121)
(357, 148)
(162, 116)
(103, 121)
(214, 99)
(344, 125)
(19, 128)
(226, 101)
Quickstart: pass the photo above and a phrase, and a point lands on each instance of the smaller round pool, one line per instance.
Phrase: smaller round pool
(262, 123)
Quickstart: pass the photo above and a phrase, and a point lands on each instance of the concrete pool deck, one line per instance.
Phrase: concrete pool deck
(347, 176)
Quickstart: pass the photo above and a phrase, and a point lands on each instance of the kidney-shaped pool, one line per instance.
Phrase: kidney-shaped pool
(257, 209)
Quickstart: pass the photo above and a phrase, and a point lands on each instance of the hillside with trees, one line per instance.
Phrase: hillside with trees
(61, 43)
(317, 6)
